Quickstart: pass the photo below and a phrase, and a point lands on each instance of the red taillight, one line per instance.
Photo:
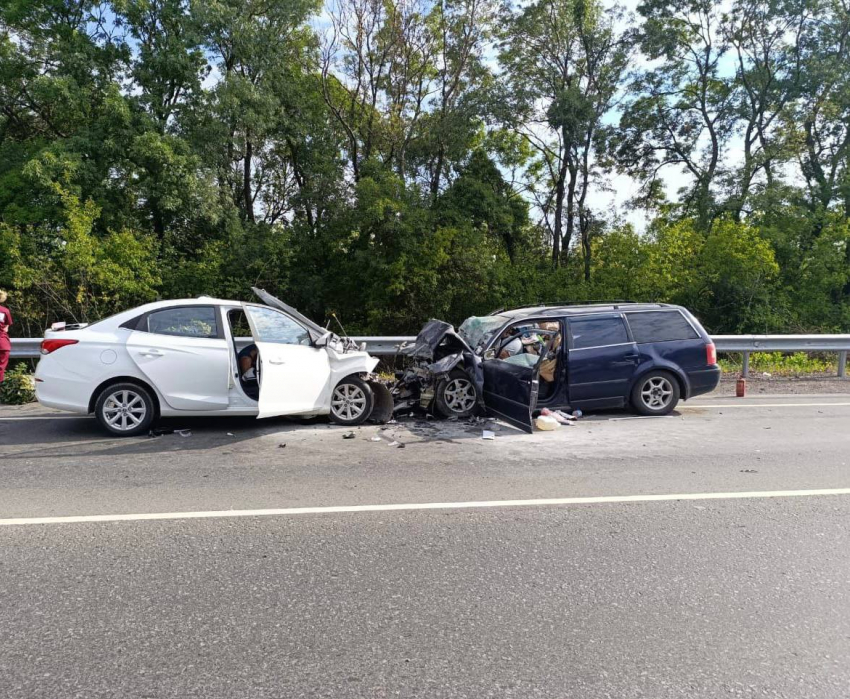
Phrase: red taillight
(711, 354)
(48, 346)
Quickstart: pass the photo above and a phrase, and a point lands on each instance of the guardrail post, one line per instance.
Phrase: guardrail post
(745, 368)
(842, 364)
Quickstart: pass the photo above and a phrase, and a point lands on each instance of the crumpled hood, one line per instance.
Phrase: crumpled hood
(431, 337)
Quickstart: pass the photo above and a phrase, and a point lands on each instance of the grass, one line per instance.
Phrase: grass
(780, 363)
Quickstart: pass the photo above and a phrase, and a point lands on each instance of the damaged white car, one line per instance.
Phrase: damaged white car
(207, 357)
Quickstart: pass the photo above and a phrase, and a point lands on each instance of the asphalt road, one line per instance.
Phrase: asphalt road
(704, 597)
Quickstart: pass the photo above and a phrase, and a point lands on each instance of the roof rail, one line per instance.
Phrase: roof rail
(558, 304)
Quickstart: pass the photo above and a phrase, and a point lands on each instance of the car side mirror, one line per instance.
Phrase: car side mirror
(490, 354)
(324, 340)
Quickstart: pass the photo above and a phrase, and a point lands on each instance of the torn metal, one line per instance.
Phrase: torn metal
(437, 352)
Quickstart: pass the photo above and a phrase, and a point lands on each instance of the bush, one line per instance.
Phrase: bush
(781, 364)
(19, 386)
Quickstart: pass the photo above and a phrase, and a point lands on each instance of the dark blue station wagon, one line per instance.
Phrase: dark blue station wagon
(516, 362)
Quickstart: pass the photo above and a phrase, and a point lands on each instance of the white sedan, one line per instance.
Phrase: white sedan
(188, 358)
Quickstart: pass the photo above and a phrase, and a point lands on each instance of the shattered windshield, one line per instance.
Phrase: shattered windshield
(477, 330)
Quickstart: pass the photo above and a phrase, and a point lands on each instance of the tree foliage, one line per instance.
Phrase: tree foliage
(395, 160)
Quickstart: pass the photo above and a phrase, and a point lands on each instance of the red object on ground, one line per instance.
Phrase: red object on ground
(741, 388)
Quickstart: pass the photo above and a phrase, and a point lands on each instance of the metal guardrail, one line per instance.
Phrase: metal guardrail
(382, 346)
(747, 344)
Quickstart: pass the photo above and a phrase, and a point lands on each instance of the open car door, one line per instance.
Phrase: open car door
(510, 390)
(294, 375)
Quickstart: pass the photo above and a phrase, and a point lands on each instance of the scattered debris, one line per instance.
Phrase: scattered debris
(398, 445)
(577, 413)
(183, 433)
(559, 415)
(282, 445)
(348, 435)
(376, 439)
(748, 470)
(487, 434)
(159, 431)
(230, 434)
(546, 423)
(393, 422)
(451, 418)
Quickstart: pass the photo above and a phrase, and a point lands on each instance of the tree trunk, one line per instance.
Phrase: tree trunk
(571, 211)
(246, 179)
(560, 187)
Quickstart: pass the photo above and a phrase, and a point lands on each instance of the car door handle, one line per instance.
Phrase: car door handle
(152, 353)
(277, 361)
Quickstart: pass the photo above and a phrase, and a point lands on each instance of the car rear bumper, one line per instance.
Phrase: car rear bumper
(703, 380)
(61, 392)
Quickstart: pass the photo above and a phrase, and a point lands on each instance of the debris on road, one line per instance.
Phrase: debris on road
(230, 434)
(488, 434)
(376, 439)
(559, 415)
(348, 435)
(159, 431)
(184, 433)
(577, 413)
(282, 445)
(546, 423)
(398, 445)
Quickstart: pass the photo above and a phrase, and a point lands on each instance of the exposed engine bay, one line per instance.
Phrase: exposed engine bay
(439, 356)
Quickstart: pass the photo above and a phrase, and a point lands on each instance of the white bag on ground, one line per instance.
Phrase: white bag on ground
(546, 422)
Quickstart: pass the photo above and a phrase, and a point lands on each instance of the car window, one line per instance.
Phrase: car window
(477, 330)
(597, 332)
(660, 326)
(189, 321)
(273, 326)
(239, 323)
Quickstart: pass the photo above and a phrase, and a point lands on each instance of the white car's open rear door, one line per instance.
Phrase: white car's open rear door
(294, 376)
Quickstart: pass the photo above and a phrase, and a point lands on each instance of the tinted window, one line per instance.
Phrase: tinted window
(276, 327)
(596, 332)
(660, 326)
(193, 321)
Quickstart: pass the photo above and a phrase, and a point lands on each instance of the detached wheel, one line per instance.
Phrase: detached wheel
(656, 393)
(455, 395)
(125, 409)
(351, 401)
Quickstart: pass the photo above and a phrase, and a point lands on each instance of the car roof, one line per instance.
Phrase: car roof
(580, 309)
(199, 301)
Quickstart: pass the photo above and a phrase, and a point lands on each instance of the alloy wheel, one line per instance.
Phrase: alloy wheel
(124, 410)
(459, 395)
(656, 393)
(348, 401)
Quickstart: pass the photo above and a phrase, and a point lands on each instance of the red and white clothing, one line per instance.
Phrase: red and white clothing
(5, 343)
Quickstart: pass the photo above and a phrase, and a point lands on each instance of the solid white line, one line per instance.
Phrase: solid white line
(758, 405)
(423, 506)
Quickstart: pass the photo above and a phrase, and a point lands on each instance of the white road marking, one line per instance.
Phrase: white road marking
(56, 417)
(406, 507)
(758, 405)
(641, 417)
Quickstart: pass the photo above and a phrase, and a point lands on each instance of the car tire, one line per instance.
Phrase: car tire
(125, 409)
(655, 393)
(352, 401)
(455, 395)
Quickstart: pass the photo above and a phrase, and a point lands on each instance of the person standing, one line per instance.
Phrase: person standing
(5, 343)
